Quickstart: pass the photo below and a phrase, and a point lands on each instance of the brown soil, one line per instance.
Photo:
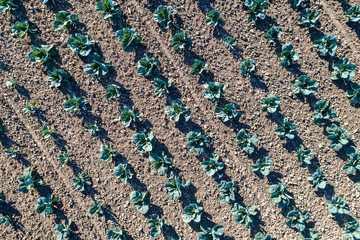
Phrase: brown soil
(25, 131)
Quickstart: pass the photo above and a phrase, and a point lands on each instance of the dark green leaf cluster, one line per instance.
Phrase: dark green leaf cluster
(199, 67)
(97, 208)
(124, 171)
(227, 191)
(157, 225)
(96, 67)
(6, 220)
(162, 86)
(322, 111)
(280, 195)
(8, 5)
(213, 166)
(327, 45)
(30, 180)
(23, 28)
(193, 212)
(145, 140)
(353, 14)
(107, 152)
(353, 93)
(310, 234)
(296, 3)
(214, 18)
(93, 128)
(288, 56)
(309, 18)
(63, 230)
(64, 159)
(30, 108)
(181, 42)
(228, 112)
(177, 111)
(303, 154)
(130, 116)
(148, 66)
(337, 206)
(161, 161)
(352, 228)
(256, 9)
(297, 219)
(58, 78)
(49, 2)
(343, 70)
(230, 42)
(65, 20)
(246, 141)
(81, 44)
(273, 35)
(141, 201)
(128, 38)
(285, 129)
(80, 181)
(45, 205)
(318, 179)
(117, 233)
(211, 233)
(11, 152)
(243, 214)
(213, 91)
(262, 165)
(354, 160)
(247, 67)
(176, 185)
(42, 54)
(270, 103)
(48, 131)
(197, 141)
(113, 91)
(338, 136)
(111, 11)
(163, 15)
(75, 104)
(304, 86)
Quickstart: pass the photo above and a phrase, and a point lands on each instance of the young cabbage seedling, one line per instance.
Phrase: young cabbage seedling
(227, 191)
(256, 9)
(128, 38)
(214, 18)
(193, 212)
(243, 214)
(157, 225)
(176, 185)
(181, 42)
(273, 35)
(246, 141)
(163, 16)
(123, 171)
(327, 45)
(65, 20)
(81, 44)
(23, 28)
(111, 11)
(45, 205)
(197, 141)
(213, 166)
(145, 140)
(30, 180)
(63, 230)
(177, 111)
(141, 201)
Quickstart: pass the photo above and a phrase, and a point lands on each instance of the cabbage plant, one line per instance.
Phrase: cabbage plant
(322, 111)
(327, 45)
(297, 219)
(107, 153)
(263, 236)
(93, 128)
(304, 86)
(193, 212)
(181, 42)
(30, 180)
(80, 181)
(353, 163)
(343, 70)
(145, 140)
(338, 136)
(117, 233)
(130, 116)
(199, 67)
(230, 42)
(246, 141)
(9, 5)
(161, 161)
(211, 233)
(243, 214)
(262, 165)
(310, 234)
(123, 171)
(111, 10)
(81, 44)
(352, 229)
(75, 104)
(213, 166)
(309, 18)
(162, 86)
(113, 91)
(318, 179)
(176, 185)
(42, 54)
(337, 206)
(228, 113)
(280, 195)
(141, 201)
(11, 152)
(213, 91)
(58, 78)
(214, 18)
(273, 35)
(97, 208)
(96, 67)
(288, 56)
(128, 38)
(45, 205)
(148, 66)
(353, 14)
(65, 20)
(247, 67)
(197, 141)
(64, 159)
(303, 155)
(296, 3)
(23, 28)
(256, 9)
(63, 230)
(270, 103)
(48, 131)
(163, 16)
(6, 220)
(30, 108)
(177, 111)
(227, 191)
(157, 225)
(285, 129)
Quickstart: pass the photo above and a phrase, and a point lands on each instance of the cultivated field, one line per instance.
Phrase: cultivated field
(244, 87)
